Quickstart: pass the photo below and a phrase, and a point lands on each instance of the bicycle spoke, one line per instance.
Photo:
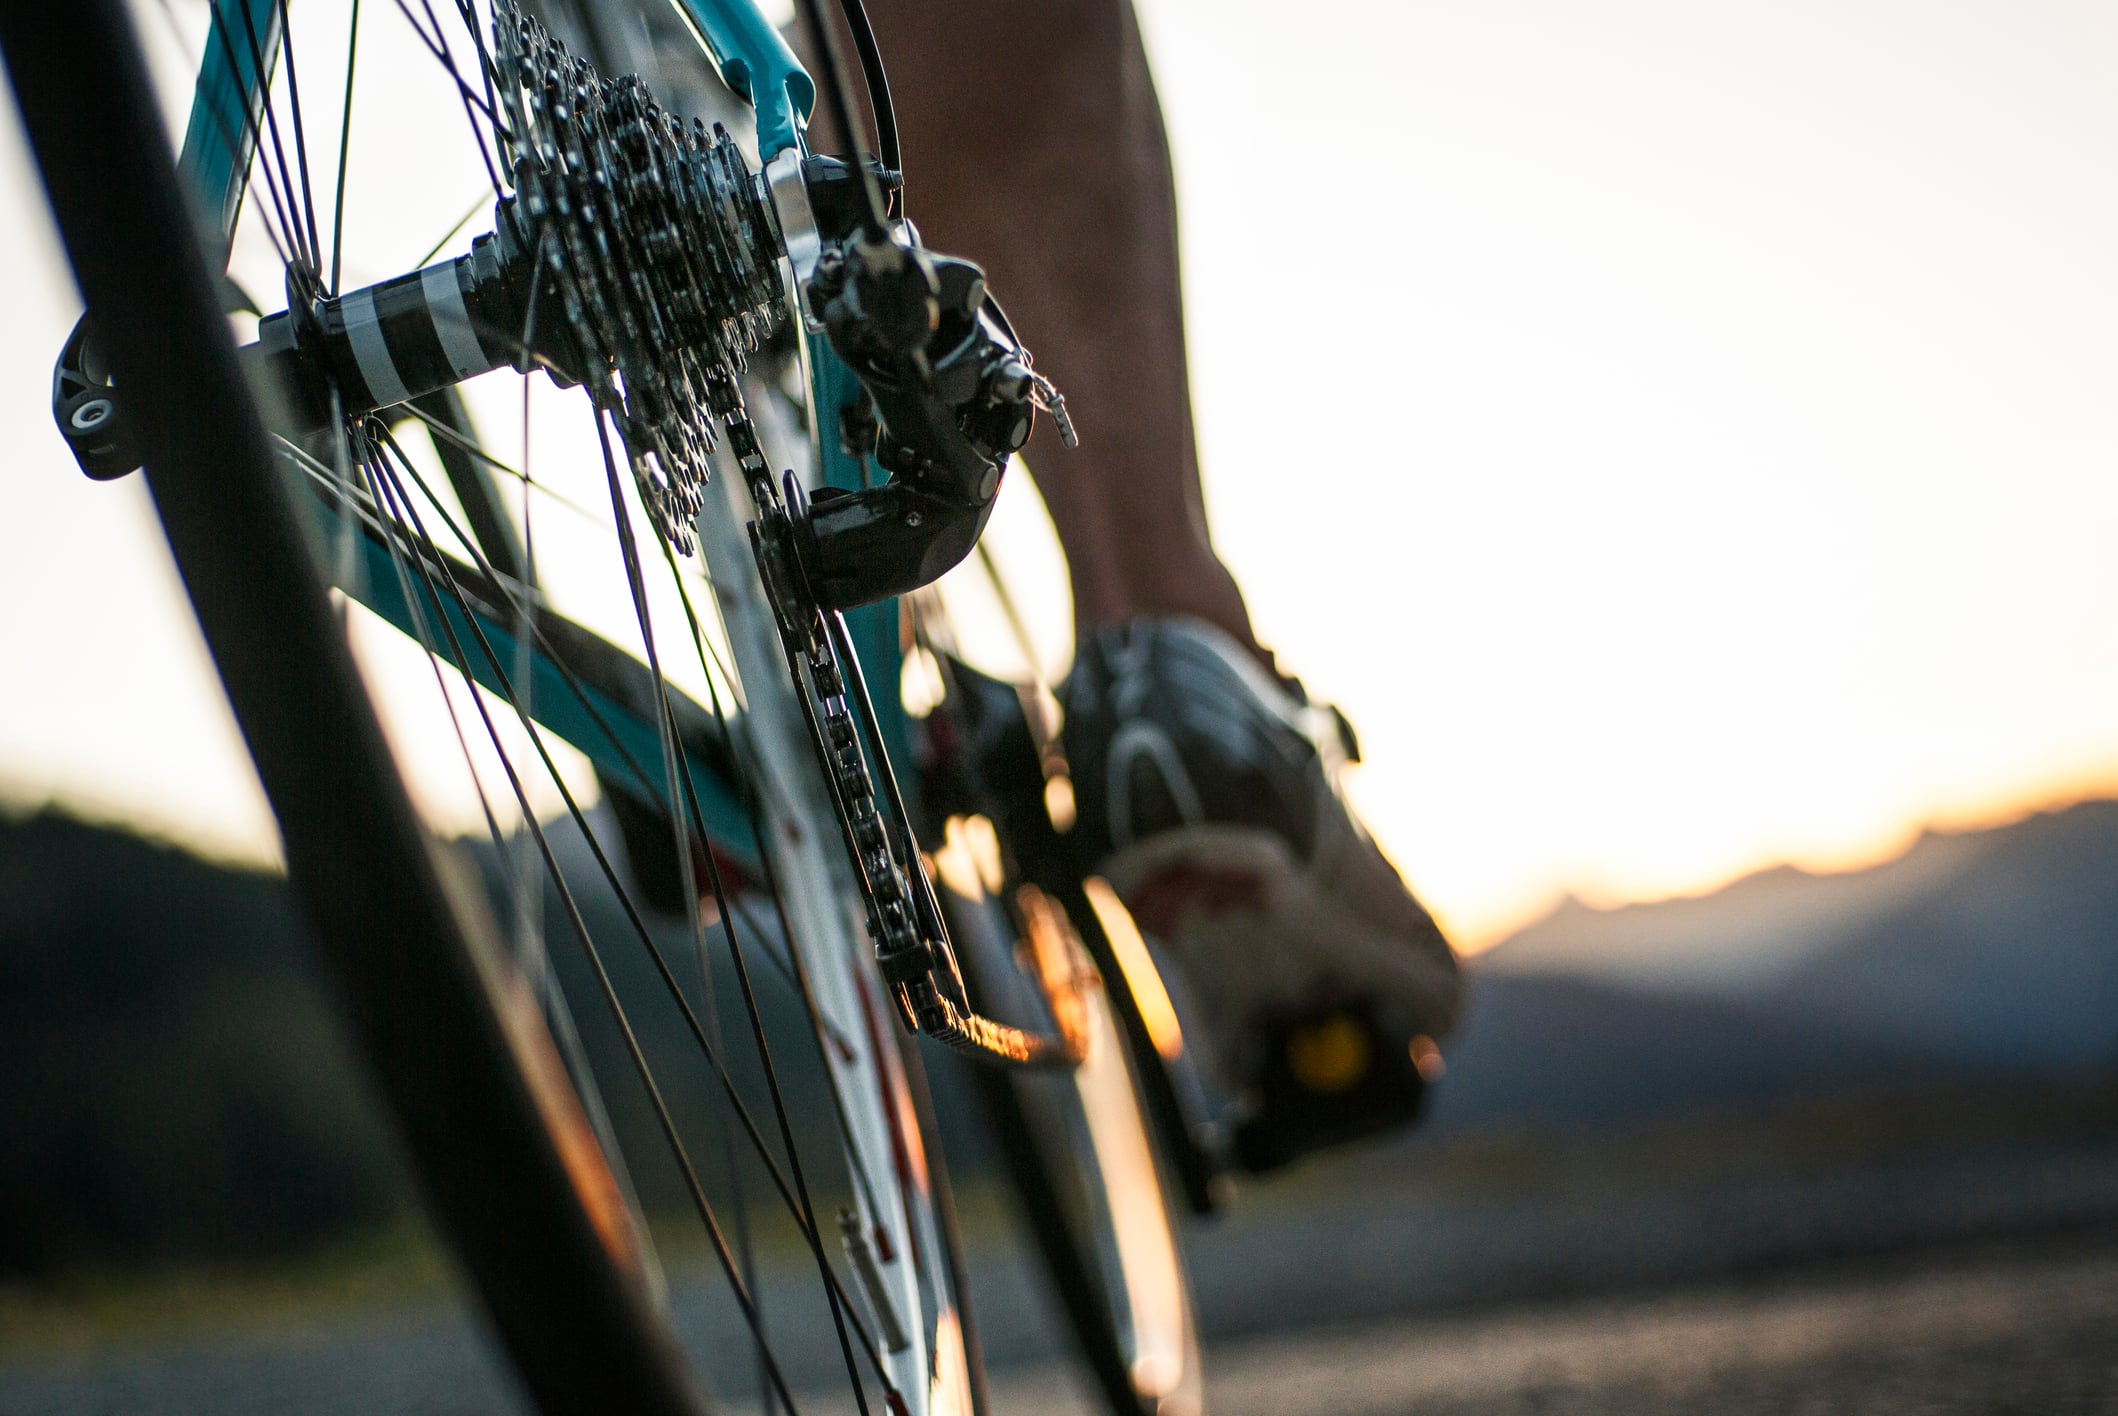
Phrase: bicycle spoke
(791, 967)
(345, 148)
(549, 652)
(436, 44)
(472, 449)
(469, 15)
(800, 1212)
(673, 768)
(525, 887)
(449, 235)
(645, 1074)
(529, 953)
(295, 229)
(301, 141)
(637, 581)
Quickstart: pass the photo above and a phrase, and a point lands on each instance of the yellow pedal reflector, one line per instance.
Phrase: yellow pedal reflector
(1329, 1056)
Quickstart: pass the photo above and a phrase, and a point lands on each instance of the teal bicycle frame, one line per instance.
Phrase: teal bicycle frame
(753, 59)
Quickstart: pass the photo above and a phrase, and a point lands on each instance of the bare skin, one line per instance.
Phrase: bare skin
(1035, 146)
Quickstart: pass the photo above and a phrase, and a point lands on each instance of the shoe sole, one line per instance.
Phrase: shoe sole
(1253, 929)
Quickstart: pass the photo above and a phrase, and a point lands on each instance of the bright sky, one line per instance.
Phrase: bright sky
(1682, 436)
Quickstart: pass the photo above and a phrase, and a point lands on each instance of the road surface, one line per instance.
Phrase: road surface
(2017, 1326)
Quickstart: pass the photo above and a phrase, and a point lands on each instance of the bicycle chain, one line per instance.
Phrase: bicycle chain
(904, 921)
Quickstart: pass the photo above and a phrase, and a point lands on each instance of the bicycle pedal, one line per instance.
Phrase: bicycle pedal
(1332, 1074)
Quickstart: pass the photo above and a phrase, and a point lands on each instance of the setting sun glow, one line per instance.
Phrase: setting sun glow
(1683, 438)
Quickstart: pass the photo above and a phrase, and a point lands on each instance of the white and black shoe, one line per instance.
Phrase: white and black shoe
(1207, 795)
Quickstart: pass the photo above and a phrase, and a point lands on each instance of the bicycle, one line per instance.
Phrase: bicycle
(326, 486)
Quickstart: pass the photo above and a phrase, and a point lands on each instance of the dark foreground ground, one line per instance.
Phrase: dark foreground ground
(1967, 1282)
(2017, 1328)
(2023, 1326)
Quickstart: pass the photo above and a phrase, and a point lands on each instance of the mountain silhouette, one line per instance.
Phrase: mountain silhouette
(2012, 961)
(178, 1086)
(1733, 939)
(1980, 955)
(1543, 1052)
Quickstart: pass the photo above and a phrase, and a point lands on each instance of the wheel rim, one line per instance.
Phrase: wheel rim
(1080, 1154)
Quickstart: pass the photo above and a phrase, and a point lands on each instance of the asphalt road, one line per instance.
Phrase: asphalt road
(2020, 1326)
(1838, 1293)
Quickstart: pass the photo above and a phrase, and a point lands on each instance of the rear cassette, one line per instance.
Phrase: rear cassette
(655, 242)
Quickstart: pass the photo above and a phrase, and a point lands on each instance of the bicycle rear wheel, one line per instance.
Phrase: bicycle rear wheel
(549, 1099)
(1079, 1145)
(1082, 1162)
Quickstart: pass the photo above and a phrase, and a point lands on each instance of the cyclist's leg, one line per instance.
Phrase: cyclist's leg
(1038, 144)
(1207, 790)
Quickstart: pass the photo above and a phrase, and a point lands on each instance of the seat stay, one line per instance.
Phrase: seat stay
(227, 109)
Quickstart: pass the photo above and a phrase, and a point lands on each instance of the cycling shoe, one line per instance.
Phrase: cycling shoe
(1207, 796)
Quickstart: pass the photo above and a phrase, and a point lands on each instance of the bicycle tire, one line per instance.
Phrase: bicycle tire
(1079, 1147)
(1079, 1153)
(453, 1033)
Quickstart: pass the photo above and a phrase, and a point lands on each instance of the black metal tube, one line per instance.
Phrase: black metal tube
(397, 341)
